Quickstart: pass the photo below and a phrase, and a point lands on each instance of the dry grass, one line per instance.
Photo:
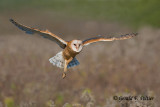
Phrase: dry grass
(122, 67)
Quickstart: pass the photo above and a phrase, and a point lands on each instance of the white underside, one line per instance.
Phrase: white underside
(58, 61)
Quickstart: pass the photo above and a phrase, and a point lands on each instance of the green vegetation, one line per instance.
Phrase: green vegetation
(120, 68)
(9, 102)
(135, 13)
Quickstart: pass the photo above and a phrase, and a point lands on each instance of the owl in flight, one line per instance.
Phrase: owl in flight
(66, 58)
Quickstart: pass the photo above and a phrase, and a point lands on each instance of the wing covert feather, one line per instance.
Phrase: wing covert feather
(101, 38)
(46, 34)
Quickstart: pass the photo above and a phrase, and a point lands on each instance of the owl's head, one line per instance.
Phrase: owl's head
(76, 45)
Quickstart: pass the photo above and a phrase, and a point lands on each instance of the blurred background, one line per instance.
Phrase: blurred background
(122, 68)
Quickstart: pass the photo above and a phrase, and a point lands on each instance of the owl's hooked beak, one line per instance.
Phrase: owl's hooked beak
(77, 47)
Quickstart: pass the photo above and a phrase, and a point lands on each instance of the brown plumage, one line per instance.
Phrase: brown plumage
(69, 52)
(66, 58)
(45, 34)
(101, 38)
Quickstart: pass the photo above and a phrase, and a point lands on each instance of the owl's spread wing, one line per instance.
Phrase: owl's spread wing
(46, 34)
(101, 38)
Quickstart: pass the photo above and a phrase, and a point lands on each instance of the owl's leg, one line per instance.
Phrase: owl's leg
(66, 62)
(65, 69)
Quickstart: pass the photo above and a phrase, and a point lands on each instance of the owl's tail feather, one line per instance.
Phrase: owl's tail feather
(58, 61)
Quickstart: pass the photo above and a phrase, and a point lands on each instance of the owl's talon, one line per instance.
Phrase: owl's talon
(71, 48)
(63, 75)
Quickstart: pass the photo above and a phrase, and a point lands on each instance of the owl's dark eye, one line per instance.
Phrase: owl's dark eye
(74, 44)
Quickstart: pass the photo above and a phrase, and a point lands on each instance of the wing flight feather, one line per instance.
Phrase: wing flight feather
(46, 34)
(101, 38)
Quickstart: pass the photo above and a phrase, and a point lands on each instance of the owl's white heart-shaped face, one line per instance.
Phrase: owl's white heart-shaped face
(77, 45)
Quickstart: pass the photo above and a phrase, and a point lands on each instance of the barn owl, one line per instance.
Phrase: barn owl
(66, 58)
